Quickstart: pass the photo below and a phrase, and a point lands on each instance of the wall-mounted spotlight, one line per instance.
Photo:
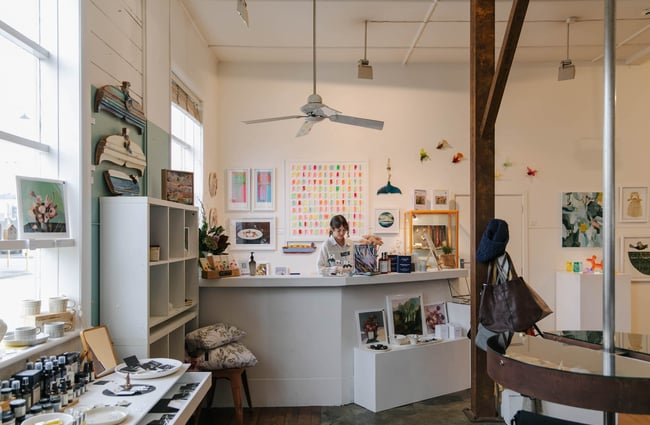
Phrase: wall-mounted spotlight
(567, 70)
(365, 70)
(242, 9)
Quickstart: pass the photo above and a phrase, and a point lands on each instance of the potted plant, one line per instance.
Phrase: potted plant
(447, 258)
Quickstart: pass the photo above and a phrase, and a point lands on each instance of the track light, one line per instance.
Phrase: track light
(242, 9)
(365, 70)
(389, 188)
(567, 70)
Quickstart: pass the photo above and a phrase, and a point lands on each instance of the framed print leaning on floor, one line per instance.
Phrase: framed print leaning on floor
(42, 209)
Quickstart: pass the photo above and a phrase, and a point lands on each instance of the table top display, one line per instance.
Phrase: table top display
(630, 344)
(570, 375)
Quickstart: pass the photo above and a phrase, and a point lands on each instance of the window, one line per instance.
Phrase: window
(38, 138)
(187, 137)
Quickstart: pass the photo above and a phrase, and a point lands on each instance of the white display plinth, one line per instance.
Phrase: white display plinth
(579, 302)
(410, 373)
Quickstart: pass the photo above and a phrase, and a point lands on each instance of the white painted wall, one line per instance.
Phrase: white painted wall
(554, 127)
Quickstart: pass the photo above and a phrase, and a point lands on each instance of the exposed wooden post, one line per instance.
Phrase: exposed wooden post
(482, 62)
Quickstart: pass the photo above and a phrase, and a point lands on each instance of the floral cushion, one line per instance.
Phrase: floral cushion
(228, 356)
(212, 336)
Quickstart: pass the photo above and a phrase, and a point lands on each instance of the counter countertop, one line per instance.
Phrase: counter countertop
(313, 280)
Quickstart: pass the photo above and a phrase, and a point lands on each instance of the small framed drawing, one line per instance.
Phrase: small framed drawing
(263, 194)
(178, 186)
(371, 327)
(387, 220)
(420, 201)
(636, 257)
(42, 208)
(405, 315)
(238, 189)
(252, 233)
(634, 204)
(439, 199)
(263, 269)
(435, 314)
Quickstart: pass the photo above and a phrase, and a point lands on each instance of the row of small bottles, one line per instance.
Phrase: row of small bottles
(46, 385)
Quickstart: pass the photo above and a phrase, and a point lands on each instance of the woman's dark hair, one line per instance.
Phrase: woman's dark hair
(339, 221)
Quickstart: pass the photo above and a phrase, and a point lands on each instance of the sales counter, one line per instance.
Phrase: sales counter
(302, 328)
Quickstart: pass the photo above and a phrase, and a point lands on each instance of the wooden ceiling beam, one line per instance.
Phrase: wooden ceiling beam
(506, 57)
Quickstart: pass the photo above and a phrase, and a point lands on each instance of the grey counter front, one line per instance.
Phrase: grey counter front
(302, 328)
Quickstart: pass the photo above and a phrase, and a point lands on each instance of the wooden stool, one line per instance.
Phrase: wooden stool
(238, 379)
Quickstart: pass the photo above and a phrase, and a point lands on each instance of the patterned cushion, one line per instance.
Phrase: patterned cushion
(212, 336)
(228, 356)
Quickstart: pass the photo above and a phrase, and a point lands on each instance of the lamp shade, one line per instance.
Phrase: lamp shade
(388, 189)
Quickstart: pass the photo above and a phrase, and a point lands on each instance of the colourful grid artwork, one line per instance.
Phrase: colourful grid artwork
(320, 190)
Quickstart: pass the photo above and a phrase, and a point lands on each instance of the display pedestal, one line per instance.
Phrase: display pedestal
(410, 373)
(579, 301)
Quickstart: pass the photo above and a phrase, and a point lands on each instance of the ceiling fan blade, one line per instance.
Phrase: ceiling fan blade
(361, 122)
(288, 117)
(326, 111)
(305, 128)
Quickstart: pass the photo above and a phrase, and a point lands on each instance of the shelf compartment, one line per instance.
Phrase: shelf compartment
(163, 328)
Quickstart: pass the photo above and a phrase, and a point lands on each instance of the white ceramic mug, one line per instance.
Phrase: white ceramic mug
(60, 304)
(31, 307)
(26, 333)
(56, 329)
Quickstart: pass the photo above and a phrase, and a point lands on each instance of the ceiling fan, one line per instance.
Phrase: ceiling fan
(315, 110)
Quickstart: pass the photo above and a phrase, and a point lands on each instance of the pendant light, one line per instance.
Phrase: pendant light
(365, 70)
(567, 70)
(389, 188)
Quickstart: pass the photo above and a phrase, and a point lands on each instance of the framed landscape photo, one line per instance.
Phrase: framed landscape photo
(420, 201)
(371, 327)
(263, 194)
(405, 315)
(252, 234)
(238, 189)
(635, 261)
(633, 204)
(178, 186)
(387, 220)
(42, 209)
(439, 199)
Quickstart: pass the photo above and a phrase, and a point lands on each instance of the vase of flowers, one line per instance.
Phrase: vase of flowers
(212, 239)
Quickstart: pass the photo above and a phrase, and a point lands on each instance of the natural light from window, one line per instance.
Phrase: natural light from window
(187, 147)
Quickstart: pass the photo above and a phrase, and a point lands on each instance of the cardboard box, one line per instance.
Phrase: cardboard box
(216, 274)
(39, 320)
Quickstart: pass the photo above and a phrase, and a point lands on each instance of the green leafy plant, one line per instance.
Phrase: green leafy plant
(446, 249)
(212, 239)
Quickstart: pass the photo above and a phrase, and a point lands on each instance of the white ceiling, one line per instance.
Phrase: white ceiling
(281, 30)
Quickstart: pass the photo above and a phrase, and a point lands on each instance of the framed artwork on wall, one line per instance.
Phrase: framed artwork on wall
(420, 201)
(582, 219)
(42, 208)
(439, 199)
(263, 194)
(178, 186)
(633, 204)
(405, 315)
(635, 261)
(371, 327)
(387, 220)
(252, 234)
(238, 189)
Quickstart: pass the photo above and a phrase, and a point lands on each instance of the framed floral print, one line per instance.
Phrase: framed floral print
(42, 209)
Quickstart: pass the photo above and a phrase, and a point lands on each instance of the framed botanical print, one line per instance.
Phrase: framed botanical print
(405, 315)
(238, 195)
(42, 209)
(371, 327)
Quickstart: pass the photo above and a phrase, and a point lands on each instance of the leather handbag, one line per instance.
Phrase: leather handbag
(511, 305)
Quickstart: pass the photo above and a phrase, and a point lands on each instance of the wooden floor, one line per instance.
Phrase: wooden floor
(633, 419)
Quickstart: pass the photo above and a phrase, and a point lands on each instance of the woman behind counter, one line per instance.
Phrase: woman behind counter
(337, 249)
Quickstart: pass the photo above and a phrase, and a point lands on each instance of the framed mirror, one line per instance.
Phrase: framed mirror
(98, 347)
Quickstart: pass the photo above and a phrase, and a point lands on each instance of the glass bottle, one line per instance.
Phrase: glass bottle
(384, 263)
(252, 266)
